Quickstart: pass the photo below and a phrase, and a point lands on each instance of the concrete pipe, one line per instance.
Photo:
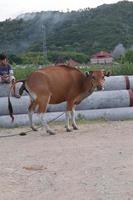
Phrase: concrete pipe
(130, 82)
(98, 100)
(20, 106)
(118, 83)
(111, 83)
(4, 89)
(107, 114)
(102, 99)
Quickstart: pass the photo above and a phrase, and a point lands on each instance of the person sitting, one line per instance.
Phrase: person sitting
(6, 73)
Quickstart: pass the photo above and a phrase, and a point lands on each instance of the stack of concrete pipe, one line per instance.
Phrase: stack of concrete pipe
(5, 88)
(114, 103)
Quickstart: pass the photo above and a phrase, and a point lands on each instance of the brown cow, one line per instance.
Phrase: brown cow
(60, 83)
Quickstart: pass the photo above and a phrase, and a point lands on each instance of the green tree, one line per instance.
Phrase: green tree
(129, 56)
(35, 58)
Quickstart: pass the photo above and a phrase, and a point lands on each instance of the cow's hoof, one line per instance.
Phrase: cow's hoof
(33, 128)
(51, 132)
(69, 130)
(75, 127)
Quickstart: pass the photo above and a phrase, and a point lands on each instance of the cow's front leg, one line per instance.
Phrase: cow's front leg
(67, 126)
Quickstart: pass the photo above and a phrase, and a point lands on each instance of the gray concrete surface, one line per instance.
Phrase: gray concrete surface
(107, 114)
(98, 100)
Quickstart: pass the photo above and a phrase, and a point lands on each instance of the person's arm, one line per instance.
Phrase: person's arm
(11, 74)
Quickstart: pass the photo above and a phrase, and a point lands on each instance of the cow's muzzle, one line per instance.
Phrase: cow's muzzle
(100, 87)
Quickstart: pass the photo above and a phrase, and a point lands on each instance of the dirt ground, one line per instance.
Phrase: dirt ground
(93, 163)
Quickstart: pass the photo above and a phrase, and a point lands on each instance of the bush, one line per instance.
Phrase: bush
(54, 56)
(115, 69)
(21, 72)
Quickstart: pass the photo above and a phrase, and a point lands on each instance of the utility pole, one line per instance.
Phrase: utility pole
(44, 40)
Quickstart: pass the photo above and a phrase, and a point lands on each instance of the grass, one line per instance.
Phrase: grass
(21, 72)
(115, 69)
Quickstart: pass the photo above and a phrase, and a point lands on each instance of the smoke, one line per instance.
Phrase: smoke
(118, 51)
(44, 21)
(53, 16)
(26, 16)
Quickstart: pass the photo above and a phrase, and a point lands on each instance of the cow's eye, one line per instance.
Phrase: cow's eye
(103, 78)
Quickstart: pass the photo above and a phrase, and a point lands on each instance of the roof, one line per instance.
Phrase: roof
(101, 54)
(72, 62)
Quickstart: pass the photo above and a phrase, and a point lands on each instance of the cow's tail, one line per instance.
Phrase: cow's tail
(10, 108)
(22, 88)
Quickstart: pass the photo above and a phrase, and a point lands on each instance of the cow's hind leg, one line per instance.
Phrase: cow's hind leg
(31, 110)
(42, 107)
(74, 125)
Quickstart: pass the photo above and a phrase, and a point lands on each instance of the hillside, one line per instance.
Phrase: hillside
(86, 31)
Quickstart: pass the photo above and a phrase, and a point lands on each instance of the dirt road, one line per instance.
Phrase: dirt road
(93, 163)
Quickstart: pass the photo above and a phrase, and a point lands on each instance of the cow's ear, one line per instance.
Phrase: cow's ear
(88, 73)
(107, 74)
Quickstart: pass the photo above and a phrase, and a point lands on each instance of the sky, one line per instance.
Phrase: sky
(13, 8)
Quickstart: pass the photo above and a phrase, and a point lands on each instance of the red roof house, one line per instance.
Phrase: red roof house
(72, 63)
(101, 57)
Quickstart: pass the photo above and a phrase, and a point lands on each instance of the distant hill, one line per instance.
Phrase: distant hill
(86, 31)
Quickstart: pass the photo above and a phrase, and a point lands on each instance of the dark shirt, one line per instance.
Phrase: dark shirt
(5, 69)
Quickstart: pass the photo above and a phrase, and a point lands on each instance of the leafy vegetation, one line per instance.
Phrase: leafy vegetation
(39, 58)
(48, 37)
(84, 31)
(116, 69)
(21, 72)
